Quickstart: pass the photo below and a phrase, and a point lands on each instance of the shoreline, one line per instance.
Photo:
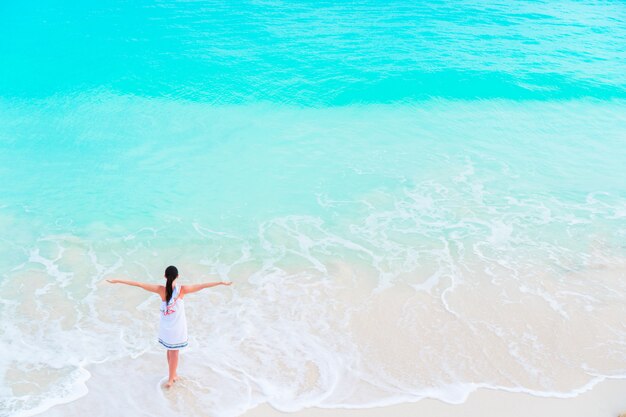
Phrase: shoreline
(203, 388)
(606, 398)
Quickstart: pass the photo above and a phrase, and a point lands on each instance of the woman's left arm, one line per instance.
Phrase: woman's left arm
(188, 289)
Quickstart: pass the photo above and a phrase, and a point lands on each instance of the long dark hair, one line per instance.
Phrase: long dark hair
(171, 273)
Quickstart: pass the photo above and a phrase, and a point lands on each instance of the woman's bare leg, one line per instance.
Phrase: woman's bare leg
(175, 362)
(172, 361)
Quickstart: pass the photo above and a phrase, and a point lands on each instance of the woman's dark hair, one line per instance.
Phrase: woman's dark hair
(171, 273)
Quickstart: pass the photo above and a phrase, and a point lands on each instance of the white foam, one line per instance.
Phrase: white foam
(66, 394)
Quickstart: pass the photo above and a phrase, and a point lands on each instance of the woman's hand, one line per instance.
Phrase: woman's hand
(226, 283)
(113, 281)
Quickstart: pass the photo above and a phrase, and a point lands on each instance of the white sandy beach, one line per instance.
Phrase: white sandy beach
(237, 366)
(606, 399)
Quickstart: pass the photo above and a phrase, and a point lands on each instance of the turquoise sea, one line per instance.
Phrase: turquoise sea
(413, 199)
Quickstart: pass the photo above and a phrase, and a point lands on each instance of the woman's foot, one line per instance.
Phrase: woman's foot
(169, 383)
(176, 378)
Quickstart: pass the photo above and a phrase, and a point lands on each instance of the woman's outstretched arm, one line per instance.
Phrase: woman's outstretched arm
(188, 289)
(148, 287)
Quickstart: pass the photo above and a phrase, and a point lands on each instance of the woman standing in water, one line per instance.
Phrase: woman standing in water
(173, 324)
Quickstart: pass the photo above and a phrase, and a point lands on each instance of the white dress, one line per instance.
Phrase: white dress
(173, 324)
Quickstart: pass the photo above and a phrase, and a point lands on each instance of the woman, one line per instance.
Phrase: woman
(173, 324)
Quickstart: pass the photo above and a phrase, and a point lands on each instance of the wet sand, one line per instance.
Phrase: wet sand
(606, 399)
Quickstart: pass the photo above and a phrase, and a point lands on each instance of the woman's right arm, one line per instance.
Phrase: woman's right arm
(148, 287)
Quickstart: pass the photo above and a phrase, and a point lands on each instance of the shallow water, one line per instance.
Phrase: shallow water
(412, 201)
